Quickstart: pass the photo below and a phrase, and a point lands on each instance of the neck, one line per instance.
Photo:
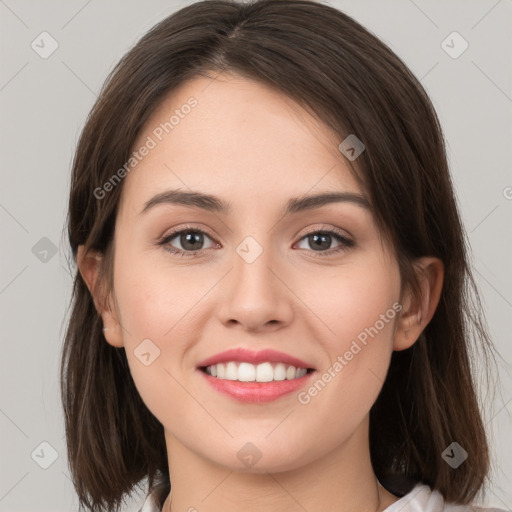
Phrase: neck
(341, 480)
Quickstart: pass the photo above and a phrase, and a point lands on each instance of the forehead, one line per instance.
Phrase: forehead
(236, 138)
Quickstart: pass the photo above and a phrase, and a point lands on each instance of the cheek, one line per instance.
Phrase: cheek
(360, 310)
(154, 310)
(356, 298)
(153, 301)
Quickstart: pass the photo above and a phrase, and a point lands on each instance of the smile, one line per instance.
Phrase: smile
(252, 391)
(248, 372)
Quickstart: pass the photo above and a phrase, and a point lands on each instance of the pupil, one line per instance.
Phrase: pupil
(189, 239)
(322, 237)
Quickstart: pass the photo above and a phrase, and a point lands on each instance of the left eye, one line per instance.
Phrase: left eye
(317, 238)
(191, 242)
(189, 239)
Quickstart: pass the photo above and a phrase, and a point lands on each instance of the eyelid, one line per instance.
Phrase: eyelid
(186, 227)
(175, 231)
(325, 227)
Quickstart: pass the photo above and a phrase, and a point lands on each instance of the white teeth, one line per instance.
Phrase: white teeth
(264, 372)
(301, 372)
(280, 372)
(231, 371)
(247, 372)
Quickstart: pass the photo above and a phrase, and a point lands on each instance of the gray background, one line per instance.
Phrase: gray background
(43, 106)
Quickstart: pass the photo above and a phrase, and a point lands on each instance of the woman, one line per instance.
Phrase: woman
(271, 300)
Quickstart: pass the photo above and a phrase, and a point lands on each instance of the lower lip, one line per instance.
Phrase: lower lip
(256, 391)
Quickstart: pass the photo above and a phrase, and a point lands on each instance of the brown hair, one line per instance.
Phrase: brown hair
(337, 70)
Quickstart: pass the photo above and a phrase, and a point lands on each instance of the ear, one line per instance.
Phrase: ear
(416, 314)
(89, 266)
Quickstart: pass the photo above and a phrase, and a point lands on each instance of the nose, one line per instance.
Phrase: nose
(256, 296)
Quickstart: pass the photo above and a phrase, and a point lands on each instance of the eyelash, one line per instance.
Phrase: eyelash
(345, 242)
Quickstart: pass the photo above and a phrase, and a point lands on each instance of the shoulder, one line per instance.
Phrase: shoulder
(423, 499)
(155, 498)
(420, 499)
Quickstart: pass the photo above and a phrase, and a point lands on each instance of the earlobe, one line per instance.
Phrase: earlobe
(112, 330)
(417, 313)
(89, 266)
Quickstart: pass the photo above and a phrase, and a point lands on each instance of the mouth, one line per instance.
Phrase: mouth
(249, 376)
(242, 371)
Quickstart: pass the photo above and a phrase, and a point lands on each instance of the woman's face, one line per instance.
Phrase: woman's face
(261, 278)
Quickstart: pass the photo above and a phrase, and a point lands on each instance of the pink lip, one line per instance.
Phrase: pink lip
(243, 354)
(256, 391)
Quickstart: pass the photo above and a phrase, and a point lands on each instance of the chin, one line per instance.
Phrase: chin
(262, 457)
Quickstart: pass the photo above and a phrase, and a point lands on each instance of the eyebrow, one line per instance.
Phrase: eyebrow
(214, 204)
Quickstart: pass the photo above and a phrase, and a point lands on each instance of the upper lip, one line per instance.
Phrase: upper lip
(249, 356)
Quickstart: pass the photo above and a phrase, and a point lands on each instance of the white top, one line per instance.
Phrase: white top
(420, 499)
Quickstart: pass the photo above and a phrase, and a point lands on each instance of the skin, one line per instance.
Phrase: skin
(251, 145)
